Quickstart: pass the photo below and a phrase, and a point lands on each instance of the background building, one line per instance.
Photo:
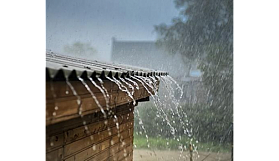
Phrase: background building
(148, 54)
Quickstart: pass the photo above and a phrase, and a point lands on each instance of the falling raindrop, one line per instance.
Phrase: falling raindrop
(93, 96)
(94, 147)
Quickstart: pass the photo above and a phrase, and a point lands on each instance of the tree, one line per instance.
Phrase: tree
(204, 32)
(79, 48)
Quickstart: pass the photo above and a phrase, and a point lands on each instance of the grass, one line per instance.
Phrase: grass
(171, 144)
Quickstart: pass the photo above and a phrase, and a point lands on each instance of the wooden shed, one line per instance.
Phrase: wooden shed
(90, 108)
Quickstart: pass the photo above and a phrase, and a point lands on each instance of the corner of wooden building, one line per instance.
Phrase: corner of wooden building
(76, 133)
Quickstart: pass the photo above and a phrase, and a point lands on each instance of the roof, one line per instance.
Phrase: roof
(58, 67)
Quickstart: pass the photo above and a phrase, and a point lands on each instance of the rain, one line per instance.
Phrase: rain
(190, 112)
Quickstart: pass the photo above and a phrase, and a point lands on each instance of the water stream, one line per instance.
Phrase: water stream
(129, 85)
(106, 96)
(93, 96)
(120, 85)
(135, 83)
(79, 103)
(78, 97)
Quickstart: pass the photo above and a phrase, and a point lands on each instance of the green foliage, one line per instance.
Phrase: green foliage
(206, 123)
(79, 48)
(204, 32)
(218, 79)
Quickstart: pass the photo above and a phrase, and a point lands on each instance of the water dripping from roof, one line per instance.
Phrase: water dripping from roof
(135, 83)
(102, 91)
(102, 85)
(93, 96)
(120, 85)
(78, 97)
(157, 101)
(129, 85)
(106, 96)
(79, 103)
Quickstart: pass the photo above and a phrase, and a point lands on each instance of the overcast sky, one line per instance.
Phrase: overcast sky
(97, 21)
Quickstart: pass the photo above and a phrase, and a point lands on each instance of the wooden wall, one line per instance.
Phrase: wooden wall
(70, 141)
(74, 137)
(67, 103)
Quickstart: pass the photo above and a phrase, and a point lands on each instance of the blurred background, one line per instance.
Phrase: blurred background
(190, 39)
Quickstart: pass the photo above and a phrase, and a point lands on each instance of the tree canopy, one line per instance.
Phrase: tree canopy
(79, 48)
(203, 32)
(200, 24)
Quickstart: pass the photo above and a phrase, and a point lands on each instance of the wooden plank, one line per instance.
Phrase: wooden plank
(68, 109)
(80, 144)
(84, 143)
(129, 158)
(71, 159)
(67, 103)
(75, 143)
(60, 88)
(56, 155)
(93, 128)
(121, 144)
(81, 132)
(114, 149)
(122, 154)
(125, 153)
(71, 124)
(122, 112)
(101, 146)
(88, 152)
(54, 141)
(100, 157)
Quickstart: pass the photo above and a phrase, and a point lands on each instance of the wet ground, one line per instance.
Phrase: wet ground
(164, 155)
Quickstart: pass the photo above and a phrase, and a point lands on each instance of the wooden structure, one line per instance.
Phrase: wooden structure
(76, 127)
